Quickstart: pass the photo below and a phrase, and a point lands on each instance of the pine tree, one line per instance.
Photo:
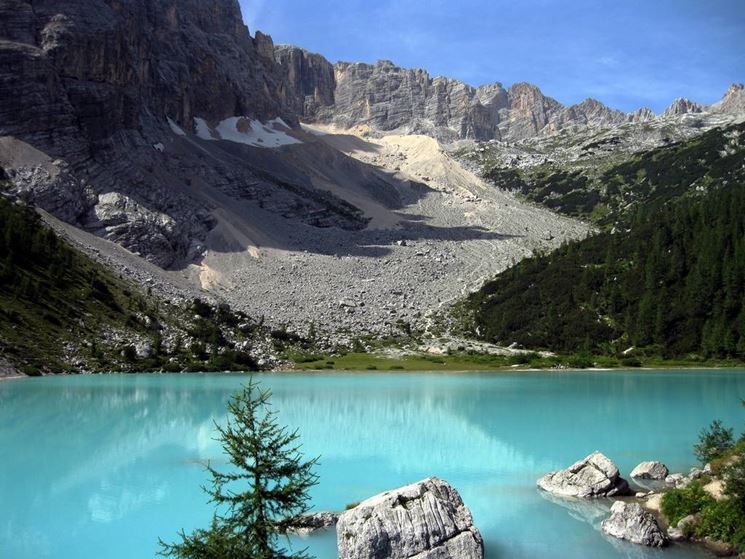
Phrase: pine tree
(262, 496)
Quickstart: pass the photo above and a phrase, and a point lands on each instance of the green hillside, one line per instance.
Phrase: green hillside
(60, 311)
(673, 284)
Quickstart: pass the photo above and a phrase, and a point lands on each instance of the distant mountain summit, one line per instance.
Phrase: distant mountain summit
(388, 98)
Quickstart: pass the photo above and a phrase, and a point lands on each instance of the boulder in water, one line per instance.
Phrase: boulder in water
(425, 520)
(650, 470)
(594, 476)
(629, 521)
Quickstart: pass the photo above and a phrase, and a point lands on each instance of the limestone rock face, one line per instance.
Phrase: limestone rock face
(98, 101)
(644, 114)
(682, 106)
(594, 476)
(589, 112)
(86, 88)
(389, 99)
(733, 101)
(629, 521)
(529, 111)
(106, 62)
(650, 470)
(386, 97)
(425, 520)
(308, 77)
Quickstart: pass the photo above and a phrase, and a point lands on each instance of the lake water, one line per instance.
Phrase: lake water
(102, 466)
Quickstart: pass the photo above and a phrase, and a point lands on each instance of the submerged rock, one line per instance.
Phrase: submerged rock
(425, 520)
(650, 470)
(629, 521)
(595, 476)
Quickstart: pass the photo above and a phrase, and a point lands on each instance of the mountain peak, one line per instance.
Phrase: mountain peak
(682, 105)
(642, 114)
(733, 101)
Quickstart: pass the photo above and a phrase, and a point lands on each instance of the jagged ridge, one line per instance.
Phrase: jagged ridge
(385, 97)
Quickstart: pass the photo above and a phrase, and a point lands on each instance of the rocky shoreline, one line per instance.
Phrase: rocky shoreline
(428, 519)
(635, 516)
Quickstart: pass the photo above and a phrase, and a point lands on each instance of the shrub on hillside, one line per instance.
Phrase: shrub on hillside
(679, 503)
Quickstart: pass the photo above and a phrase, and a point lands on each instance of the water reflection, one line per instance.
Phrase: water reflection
(98, 459)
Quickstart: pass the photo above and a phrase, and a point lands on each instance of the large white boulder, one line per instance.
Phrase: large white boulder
(594, 476)
(425, 520)
(629, 521)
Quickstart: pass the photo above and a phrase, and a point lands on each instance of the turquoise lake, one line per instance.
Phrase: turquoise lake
(102, 466)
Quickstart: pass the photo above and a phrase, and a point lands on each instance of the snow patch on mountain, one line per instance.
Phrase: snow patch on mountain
(252, 132)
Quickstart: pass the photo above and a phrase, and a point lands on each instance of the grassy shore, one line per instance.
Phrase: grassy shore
(465, 361)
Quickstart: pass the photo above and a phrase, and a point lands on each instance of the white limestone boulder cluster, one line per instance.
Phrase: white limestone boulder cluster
(596, 476)
(679, 480)
(424, 520)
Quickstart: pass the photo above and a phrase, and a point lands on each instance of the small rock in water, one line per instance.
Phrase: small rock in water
(310, 523)
(676, 535)
(595, 476)
(650, 470)
(629, 521)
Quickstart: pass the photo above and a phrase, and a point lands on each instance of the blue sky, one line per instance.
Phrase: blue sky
(626, 53)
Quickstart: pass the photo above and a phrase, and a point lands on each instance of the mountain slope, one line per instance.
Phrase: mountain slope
(608, 186)
(60, 311)
(112, 109)
(672, 285)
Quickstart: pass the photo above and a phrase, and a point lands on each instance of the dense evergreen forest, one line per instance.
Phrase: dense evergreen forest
(673, 284)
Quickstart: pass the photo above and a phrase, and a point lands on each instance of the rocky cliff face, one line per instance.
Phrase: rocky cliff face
(309, 82)
(387, 98)
(109, 65)
(93, 91)
(390, 99)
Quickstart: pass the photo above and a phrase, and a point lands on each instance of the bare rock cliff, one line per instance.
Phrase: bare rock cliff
(388, 98)
(87, 88)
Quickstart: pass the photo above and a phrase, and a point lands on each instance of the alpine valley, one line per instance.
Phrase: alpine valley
(178, 194)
